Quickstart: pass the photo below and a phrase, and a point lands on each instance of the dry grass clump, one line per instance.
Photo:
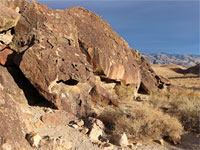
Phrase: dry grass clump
(124, 92)
(184, 105)
(141, 121)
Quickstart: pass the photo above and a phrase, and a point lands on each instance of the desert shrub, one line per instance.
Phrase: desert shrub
(188, 111)
(141, 121)
(184, 105)
(125, 93)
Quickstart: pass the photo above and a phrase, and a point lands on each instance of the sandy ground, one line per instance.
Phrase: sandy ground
(173, 72)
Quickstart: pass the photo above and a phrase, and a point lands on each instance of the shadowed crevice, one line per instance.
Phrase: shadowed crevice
(142, 89)
(70, 82)
(32, 95)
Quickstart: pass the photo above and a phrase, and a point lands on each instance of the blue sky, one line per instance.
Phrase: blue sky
(150, 26)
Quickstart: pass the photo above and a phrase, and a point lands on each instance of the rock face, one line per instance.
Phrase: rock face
(8, 21)
(12, 128)
(13, 83)
(150, 80)
(62, 51)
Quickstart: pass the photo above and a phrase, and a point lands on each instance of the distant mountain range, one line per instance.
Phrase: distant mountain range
(185, 60)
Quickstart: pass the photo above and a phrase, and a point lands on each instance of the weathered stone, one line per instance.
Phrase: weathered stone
(61, 52)
(57, 118)
(12, 126)
(8, 20)
(84, 131)
(95, 133)
(6, 55)
(96, 128)
(34, 139)
(123, 140)
(73, 46)
(108, 53)
(80, 123)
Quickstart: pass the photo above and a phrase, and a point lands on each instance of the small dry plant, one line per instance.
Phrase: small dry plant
(184, 105)
(124, 92)
(142, 121)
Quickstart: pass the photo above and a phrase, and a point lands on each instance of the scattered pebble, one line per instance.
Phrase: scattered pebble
(34, 139)
(74, 126)
(80, 123)
(84, 131)
(123, 141)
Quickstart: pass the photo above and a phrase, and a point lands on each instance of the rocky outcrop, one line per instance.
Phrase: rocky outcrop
(62, 51)
(12, 127)
(194, 70)
(150, 80)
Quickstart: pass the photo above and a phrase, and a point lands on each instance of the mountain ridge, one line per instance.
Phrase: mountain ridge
(186, 60)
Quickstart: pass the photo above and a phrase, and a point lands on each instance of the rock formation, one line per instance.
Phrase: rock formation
(70, 58)
(62, 51)
(194, 70)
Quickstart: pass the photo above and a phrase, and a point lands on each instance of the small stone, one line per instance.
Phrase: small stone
(85, 131)
(80, 123)
(17, 9)
(95, 133)
(123, 141)
(5, 55)
(74, 126)
(34, 139)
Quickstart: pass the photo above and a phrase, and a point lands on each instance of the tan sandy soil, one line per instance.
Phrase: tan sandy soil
(176, 75)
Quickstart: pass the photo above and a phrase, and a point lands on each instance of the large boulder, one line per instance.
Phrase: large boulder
(12, 127)
(61, 52)
(106, 51)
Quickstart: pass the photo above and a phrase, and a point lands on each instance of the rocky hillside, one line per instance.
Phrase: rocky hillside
(61, 66)
(185, 60)
(194, 70)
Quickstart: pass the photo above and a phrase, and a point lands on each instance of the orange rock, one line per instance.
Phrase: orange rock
(5, 55)
(85, 131)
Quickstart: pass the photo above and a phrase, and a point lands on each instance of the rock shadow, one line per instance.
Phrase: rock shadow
(32, 95)
(178, 70)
